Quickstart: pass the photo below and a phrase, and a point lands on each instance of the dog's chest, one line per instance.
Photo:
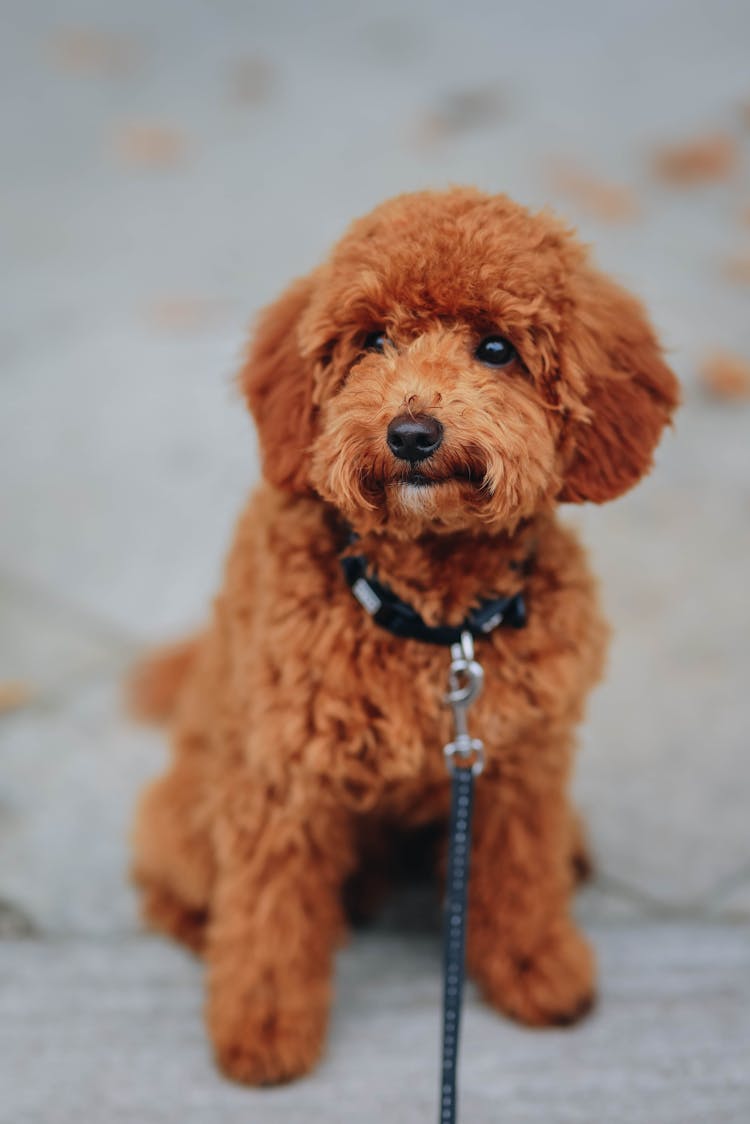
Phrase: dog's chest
(359, 705)
(379, 704)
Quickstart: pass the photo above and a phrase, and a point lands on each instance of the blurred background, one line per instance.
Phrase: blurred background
(166, 169)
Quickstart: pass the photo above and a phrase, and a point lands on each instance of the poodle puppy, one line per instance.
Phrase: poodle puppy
(426, 398)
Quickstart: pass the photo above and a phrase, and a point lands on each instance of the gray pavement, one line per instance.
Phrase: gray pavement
(166, 169)
(112, 1031)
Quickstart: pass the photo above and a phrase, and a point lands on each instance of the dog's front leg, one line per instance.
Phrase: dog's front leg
(523, 948)
(276, 920)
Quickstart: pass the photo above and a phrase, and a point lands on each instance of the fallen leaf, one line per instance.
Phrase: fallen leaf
(607, 201)
(706, 158)
(737, 269)
(252, 80)
(459, 111)
(153, 146)
(80, 50)
(13, 695)
(726, 376)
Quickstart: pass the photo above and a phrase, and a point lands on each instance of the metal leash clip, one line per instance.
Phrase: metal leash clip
(465, 680)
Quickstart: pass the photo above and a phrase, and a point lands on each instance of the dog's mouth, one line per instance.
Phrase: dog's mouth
(419, 479)
(463, 483)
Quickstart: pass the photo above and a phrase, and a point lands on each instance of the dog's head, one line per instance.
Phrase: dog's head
(456, 363)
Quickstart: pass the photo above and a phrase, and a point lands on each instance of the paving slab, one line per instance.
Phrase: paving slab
(735, 903)
(112, 1031)
(664, 774)
(105, 508)
(71, 775)
(46, 646)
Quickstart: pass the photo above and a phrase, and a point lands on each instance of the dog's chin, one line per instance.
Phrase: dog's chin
(418, 492)
(416, 503)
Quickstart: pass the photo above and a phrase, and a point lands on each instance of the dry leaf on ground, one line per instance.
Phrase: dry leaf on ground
(459, 111)
(13, 695)
(607, 201)
(726, 376)
(80, 50)
(737, 268)
(154, 146)
(709, 157)
(252, 80)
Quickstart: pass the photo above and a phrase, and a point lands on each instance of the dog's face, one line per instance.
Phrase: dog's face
(456, 364)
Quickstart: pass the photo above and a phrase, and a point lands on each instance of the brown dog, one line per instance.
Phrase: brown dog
(455, 370)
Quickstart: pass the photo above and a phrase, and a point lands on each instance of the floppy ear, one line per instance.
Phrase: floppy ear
(612, 362)
(277, 383)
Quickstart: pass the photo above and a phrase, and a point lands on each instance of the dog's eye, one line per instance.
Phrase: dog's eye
(496, 351)
(376, 341)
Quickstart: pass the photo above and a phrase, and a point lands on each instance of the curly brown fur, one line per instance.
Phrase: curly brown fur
(302, 728)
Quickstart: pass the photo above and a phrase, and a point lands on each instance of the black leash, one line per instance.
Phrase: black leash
(454, 934)
(465, 759)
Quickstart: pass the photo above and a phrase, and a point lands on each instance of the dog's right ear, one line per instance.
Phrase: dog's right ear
(278, 385)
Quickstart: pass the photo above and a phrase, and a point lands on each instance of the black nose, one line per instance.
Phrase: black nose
(414, 438)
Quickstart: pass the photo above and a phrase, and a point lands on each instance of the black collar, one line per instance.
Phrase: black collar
(402, 619)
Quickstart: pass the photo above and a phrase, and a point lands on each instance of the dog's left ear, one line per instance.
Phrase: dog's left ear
(624, 391)
(277, 382)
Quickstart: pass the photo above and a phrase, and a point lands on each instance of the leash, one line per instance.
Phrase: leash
(465, 759)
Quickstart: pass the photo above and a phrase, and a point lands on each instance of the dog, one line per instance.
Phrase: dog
(424, 400)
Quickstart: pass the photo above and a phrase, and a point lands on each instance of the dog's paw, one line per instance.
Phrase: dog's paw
(553, 987)
(165, 912)
(266, 1044)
